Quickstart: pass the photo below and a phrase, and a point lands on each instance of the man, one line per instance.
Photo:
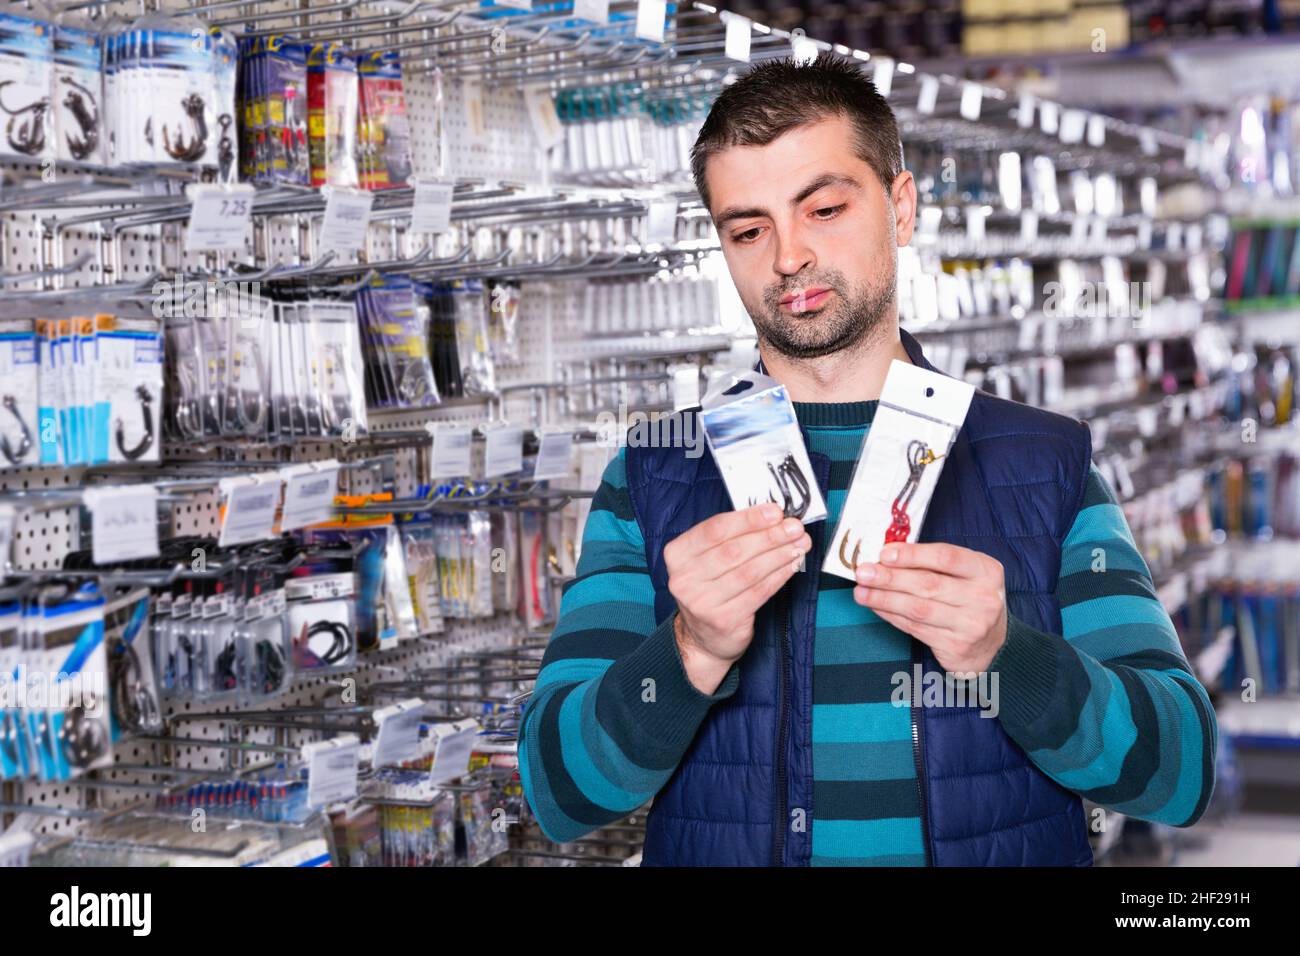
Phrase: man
(701, 658)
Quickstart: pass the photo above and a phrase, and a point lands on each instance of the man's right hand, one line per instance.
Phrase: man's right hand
(721, 572)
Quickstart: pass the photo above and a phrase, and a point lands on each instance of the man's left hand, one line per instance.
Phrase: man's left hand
(953, 599)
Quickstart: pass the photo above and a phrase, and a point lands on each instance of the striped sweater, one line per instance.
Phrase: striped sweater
(1108, 709)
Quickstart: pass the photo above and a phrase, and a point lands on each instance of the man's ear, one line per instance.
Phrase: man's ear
(903, 195)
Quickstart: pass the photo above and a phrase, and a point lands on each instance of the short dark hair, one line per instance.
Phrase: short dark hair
(778, 95)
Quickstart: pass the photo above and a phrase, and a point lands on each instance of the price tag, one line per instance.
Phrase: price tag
(975, 223)
(1193, 238)
(347, 215)
(332, 769)
(453, 745)
(1027, 333)
(1078, 230)
(123, 523)
(1072, 125)
(929, 94)
(686, 387)
(449, 457)
(553, 455)
(661, 222)
(1028, 226)
(738, 37)
(1097, 229)
(546, 121)
(1191, 154)
(431, 207)
(1147, 140)
(1144, 234)
(1096, 130)
(650, 19)
(1049, 117)
(398, 737)
(1177, 410)
(475, 116)
(597, 11)
(884, 75)
(1025, 111)
(971, 96)
(1173, 236)
(515, 4)
(505, 451)
(220, 217)
(1148, 420)
(308, 494)
(251, 503)
(931, 220)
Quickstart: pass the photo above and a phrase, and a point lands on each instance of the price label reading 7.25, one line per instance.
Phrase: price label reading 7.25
(219, 217)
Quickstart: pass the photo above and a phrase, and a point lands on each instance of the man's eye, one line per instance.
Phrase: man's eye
(829, 212)
(749, 235)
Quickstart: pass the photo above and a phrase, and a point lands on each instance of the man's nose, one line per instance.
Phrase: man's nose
(793, 253)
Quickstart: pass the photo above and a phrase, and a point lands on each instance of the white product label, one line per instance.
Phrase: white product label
(451, 754)
(661, 222)
(308, 494)
(475, 116)
(597, 11)
(553, 455)
(971, 96)
(1049, 117)
(332, 769)
(686, 387)
(1028, 226)
(431, 207)
(1025, 111)
(929, 94)
(250, 509)
(398, 738)
(883, 76)
(8, 517)
(504, 454)
(650, 19)
(449, 457)
(123, 523)
(220, 217)
(1096, 130)
(738, 37)
(1072, 125)
(347, 215)
(975, 223)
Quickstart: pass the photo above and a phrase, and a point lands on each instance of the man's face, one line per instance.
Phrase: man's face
(810, 236)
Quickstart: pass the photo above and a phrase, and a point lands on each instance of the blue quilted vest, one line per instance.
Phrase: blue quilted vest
(1010, 487)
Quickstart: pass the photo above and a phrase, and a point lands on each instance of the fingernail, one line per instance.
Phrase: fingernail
(889, 554)
(866, 572)
(792, 526)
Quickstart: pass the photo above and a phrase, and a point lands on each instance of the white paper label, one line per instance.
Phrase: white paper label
(597, 11)
(8, 517)
(220, 217)
(431, 207)
(250, 509)
(884, 75)
(332, 769)
(347, 215)
(686, 387)
(1025, 111)
(449, 457)
(398, 737)
(650, 19)
(975, 223)
(971, 96)
(541, 112)
(123, 523)
(661, 222)
(1049, 117)
(1147, 140)
(504, 454)
(553, 455)
(516, 4)
(738, 36)
(929, 94)
(308, 494)
(1096, 130)
(1072, 125)
(1028, 226)
(451, 754)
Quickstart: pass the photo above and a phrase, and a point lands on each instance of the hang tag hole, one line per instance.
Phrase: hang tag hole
(929, 391)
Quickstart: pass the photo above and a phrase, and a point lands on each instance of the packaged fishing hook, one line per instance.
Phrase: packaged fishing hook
(918, 418)
(18, 393)
(755, 439)
(26, 79)
(77, 96)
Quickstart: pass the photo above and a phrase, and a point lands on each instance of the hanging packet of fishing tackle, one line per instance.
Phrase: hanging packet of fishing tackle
(26, 76)
(77, 94)
(754, 436)
(916, 422)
